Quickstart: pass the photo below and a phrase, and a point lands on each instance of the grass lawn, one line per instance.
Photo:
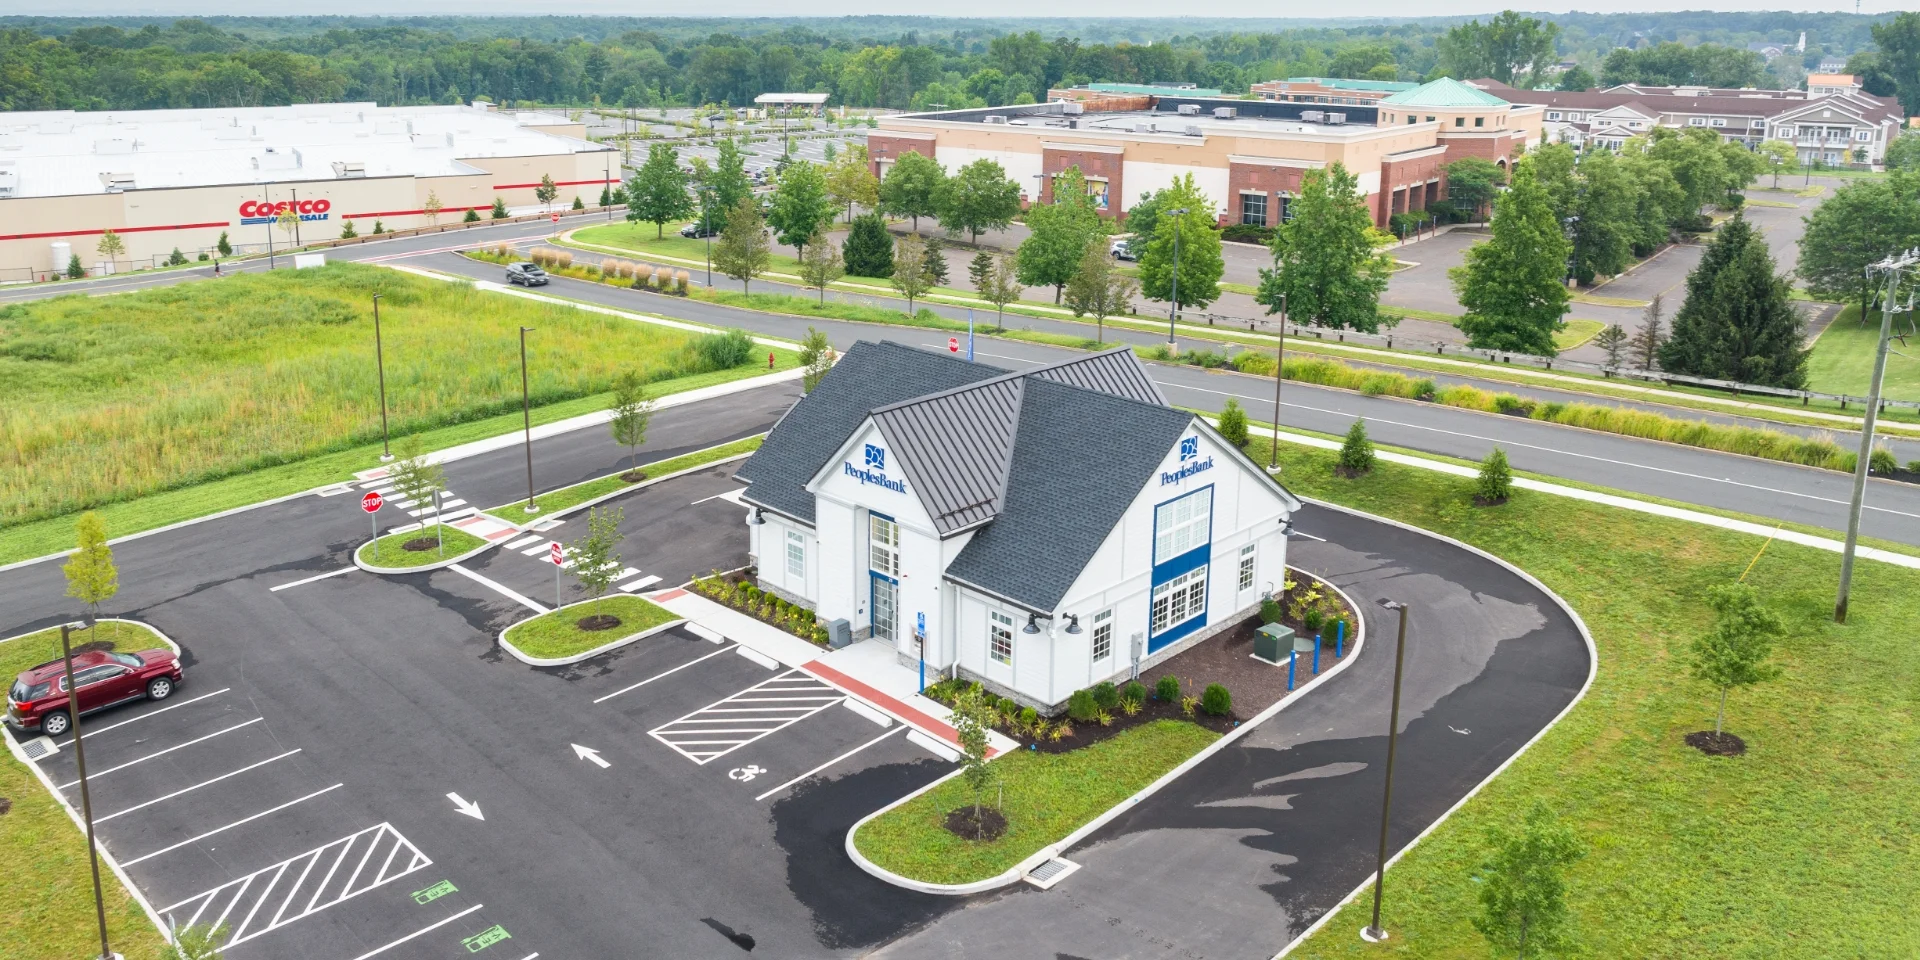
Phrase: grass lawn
(41, 537)
(1576, 333)
(51, 915)
(388, 550)
(554, 634)
(1047, 797)
(1801, 848)
(1410, 313)
(104, 399)
(601, 486)
(639, 238)
(1842, 360)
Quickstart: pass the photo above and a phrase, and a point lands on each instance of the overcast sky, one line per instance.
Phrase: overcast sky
(831, 8)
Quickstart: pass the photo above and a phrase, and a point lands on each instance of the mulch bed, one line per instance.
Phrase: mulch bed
(991, 824)
(1348, 473)
(634, 476)
(1226, 658)
(5, 806)
(599, 621)
(1089, 733)
(1903, 476)
(420, 544)
(1716, 744)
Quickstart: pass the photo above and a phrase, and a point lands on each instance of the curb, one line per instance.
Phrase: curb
(516, 653)
(106, 855)
(395, 571)
(1593, 670)
(623, 491)
(1014, 873)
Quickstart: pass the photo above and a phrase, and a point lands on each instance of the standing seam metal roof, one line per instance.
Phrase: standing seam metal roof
(959, 473)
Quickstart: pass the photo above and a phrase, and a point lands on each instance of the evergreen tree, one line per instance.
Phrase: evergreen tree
(741, 251)
(473, 216)
(75, 270)
(1356, 452)
(1233, 423)
(347, 232)
(577, 205)
(936, 260)
(1512, 285)
(801, 207)
(979, 268)
(224, 245)
(657, 193)
(1737, 322)
(978, 197)
(1058, 233)
(1613, 340)
(1324, 260)
(1495, 483)
(868, 250)
(1200, 262)
(500, 208)
(912, 187)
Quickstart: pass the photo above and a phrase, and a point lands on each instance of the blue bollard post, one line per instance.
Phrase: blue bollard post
(1292, 655)
(1316, 654)
(1340, 640)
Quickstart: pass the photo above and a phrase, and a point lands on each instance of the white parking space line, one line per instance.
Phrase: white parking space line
(495, 587)
(1309, 536)
(321, 576)
(382, 839)
(640, 584)
(170, 796)
(230, 826)
(718, 729)
(418, 933)
(657, 676)
(830, 763)
(523, 541)
(161, 753)
(150, 713)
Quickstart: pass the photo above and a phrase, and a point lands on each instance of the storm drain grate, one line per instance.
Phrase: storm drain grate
(1051, 872)
(38, 748)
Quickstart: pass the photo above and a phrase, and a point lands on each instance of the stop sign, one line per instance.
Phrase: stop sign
(953, 344)
(371, 502)
(556, 218)
(557, 553)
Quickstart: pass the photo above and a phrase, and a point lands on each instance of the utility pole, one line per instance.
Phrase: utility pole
(1174, 306)
(380, 362)
(270, 219)
(296, 218)
(526, 418)
(1279, 364)
(1374, 933)
(86, 799)
(1893, 265)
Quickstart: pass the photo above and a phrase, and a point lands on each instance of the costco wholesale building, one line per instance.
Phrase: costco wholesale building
(1248, 156)
(1038, 531)
(166, 179)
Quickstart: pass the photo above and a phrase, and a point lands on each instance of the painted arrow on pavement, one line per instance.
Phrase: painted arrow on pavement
(590, 754)
(462, 806)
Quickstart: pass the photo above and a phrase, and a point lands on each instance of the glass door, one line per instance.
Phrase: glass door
(886, 602)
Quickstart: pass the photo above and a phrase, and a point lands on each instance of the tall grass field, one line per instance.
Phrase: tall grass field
(103, 399)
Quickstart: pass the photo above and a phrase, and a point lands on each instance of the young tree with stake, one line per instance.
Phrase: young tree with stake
(1523, 890)
(820, 266)
(92, 578)
(418, 479)
(112, 247)
(594, 561)
(1734, 652)
(631, 411)
(1002, 286)
(816, 357)
(432, 207)
(1098, 289)
(971, 718)
(546, 191)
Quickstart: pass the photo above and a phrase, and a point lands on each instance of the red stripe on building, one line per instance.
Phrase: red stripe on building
(88, 233)
(557, 183)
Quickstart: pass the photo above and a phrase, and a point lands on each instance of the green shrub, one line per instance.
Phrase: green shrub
(1270, 610)
(1167, 688)
(1215, 700)
(1913, 466)
(1028, 715)
(1496, 478)
(1552, 410)
(1313, 620)
(1423, 387)
(1081, 706)
(1508, 403)
(1882, 461)
(1233, 423)
(1134, 691)
(1254, 363)
(1105, 695)
(1356, 454)
(724, 351)
(1007, 706)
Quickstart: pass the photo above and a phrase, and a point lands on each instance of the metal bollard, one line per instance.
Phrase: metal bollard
(1339, 640)
(1316, 654)
(1292, 656)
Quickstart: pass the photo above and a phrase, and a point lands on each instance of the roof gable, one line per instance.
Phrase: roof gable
(955, 446)
(1444, 92)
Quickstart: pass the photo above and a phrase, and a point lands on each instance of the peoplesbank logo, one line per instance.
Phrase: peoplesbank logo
(253, 211)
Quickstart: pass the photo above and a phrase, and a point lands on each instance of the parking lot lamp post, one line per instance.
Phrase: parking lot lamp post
(86, 799)
(526, 419)
(380, 363)
(1373, 932)
(1173, 307)
(1279, 361)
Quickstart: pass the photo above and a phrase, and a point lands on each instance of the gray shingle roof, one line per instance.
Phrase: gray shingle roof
(1115, 371)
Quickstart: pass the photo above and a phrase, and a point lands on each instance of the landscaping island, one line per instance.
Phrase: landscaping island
(419, 547)
(583, 628)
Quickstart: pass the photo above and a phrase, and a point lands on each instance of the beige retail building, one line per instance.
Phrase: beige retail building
(177, 179)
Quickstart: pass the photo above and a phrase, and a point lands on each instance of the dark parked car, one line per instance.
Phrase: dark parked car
(696, 230)
(38, 698)
(526, 274)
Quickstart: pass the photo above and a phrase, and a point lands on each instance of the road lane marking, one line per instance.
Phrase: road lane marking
(230, 826)
(657, 676)
(830, 763)
(170, 796)
(523, 541)
(322, 576)
(162, 753)
(497, 588)
(181, 703)
(640, 584)
(418, 933)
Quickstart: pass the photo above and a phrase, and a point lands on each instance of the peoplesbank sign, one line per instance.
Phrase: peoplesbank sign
(254, 211)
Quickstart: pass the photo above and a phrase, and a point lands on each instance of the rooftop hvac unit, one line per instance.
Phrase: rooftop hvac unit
(1073, 124)
(1225, 113)
(346, 170)
(1189, 109)
(1336, 118)
(116, 182)
(1073, 109)
(1016, 122)
(277, 158)
(1313, 116)
(993, 118)
(1146, 126)
(1193, 131)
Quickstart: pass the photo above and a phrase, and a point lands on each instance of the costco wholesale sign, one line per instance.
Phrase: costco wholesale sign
(255, 211)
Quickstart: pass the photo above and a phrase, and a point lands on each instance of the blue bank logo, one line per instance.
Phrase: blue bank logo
(876, 457)
(1189, 449)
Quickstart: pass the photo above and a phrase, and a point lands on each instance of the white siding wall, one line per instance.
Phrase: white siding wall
(1022, 168)
(1141, 177)
(770, 552)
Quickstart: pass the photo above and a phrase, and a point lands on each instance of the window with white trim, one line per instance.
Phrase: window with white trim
(796, 554)
(1181, 525)
(1696, 121)
(884, 543)
(1553, 115)
(1253, 209)
(999, 637)
(1180, 599)
(1248, 554)
(1719, 121)
(1102, 635)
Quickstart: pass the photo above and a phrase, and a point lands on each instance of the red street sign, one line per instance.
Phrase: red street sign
(371, 502)
(953, 344)
(556, 218)
(556, 553)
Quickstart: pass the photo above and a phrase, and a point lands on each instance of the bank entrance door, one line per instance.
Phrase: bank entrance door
(883, 572)
(885, 607)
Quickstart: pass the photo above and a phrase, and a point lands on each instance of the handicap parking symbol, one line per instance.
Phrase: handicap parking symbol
(746, 773)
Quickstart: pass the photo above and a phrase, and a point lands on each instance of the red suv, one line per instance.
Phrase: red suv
(38, 699)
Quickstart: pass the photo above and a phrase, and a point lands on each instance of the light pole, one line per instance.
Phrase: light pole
(296, 217)
(1892, 265)
(1174, 305)
(1279, 363)
(380, 363)
(606, 170)
(526, 419)
(1374, 933)
(86, 798)
(269, 218)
